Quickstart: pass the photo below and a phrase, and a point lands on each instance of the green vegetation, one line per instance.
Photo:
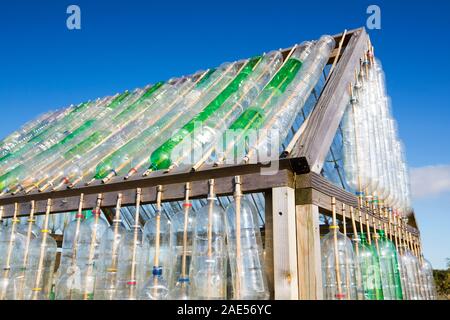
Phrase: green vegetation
(442, 280)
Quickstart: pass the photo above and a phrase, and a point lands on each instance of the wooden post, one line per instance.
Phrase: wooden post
(308, 252)
(284, 244)
(268, 242)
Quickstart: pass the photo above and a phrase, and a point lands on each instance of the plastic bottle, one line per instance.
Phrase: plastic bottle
(245, 250)
(370, 270)
(209, 128)
(285, 103)
(183, 225)
(390, 271)
(108, 259)
(209, 255)
(159, 237)
(12, 245)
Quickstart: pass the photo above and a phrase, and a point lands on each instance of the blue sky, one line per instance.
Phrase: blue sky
(128, 44)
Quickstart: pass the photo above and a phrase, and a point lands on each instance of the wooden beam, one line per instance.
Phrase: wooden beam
(324, 120)
(308, 252)
(68, 200)
(334, 53)
(314, 189)
(268, 242)
(284, 244)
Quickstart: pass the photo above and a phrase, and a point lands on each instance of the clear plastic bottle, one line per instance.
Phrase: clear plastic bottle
(157, 287)
(159, 237)
(287, 101)
(68, 278)
(108, 259)
(131, 258)
(90, 235)
(183, 225)
(268, 102)
(30, 231)
(428, 280)
(188, 147)
(406, 285)
(41, 267)
(133, 120)
(130, 156)
(412, 266)
(47, 160)
(338, 284)
(133, 263)
(245, 250)
(12, 246)
(209, 254)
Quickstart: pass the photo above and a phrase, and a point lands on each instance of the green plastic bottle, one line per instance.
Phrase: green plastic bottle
(388, 252)
(370, 270)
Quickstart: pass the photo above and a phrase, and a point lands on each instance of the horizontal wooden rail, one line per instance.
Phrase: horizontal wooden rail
(314, 189)
(174, 183)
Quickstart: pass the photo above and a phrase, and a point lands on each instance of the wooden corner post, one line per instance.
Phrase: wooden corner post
(281, 205)
(308, 252)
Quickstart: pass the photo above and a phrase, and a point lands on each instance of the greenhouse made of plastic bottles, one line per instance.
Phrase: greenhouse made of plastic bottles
(279, 176)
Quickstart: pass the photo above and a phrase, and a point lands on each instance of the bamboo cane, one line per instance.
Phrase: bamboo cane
(416, 267)
(133, 281)
(369, 237)
(423, 286)
(427, 289)
(399, 233)
(156, 265)
(334, 228)
(393, 224)
(92, 247)
(79, 216)
(211, 199)
(418, 277)
(347, 267)
(117, 221)
(402, 222)
(187, 206)
(38, 285)
(7, 268)
(391, 230)
(400, 248)
(361, 226)
(357, 243)
(115, 247)
(375, 234)
(31, 221)
(238, 198)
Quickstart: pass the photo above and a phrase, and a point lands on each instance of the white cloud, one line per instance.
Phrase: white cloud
(430, 181)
